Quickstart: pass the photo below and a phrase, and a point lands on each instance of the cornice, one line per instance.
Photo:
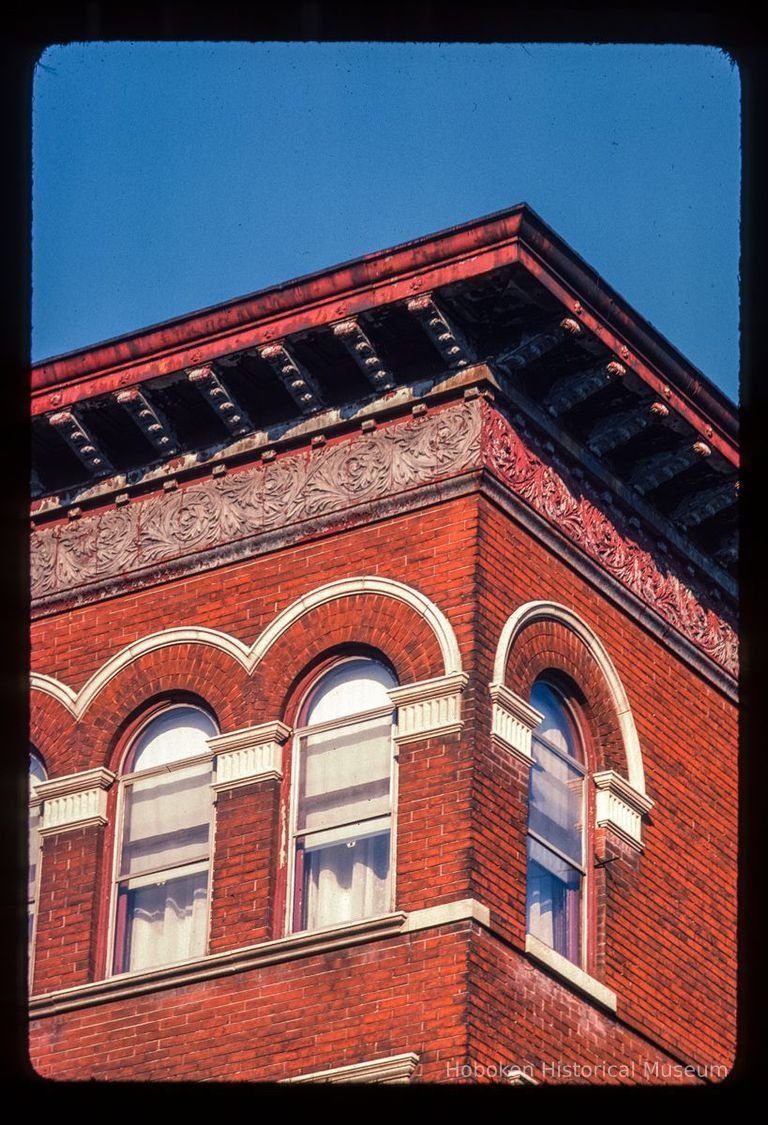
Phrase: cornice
(350, 478)
(603, 537)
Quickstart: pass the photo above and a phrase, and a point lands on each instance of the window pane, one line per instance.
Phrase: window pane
(34, 852)
(343, 881)
(166, 819)
(344, 774)
(162, 922)
(556, 801)
(553, 901)
(556, 726)
(180, 732)
(349, 689)
(36, 774)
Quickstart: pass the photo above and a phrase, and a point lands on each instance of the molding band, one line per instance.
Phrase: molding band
(566, 969)
(74, 801)
(246, 756)
(429, 707)
(395, 1069)
(512, 722)
(306, 944)
(552, 611)
(249, 656)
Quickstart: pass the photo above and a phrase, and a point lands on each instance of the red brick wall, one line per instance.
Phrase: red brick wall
(668, 928)
(666, 920)
(390, 997)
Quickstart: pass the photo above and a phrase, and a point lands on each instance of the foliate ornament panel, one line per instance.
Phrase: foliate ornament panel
(290, 489)
(585, 522)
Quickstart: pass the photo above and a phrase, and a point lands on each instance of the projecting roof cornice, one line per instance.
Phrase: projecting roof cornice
(469, 250)
(368, 336)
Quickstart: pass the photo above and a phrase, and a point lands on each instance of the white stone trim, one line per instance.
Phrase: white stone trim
(462, 910)
(74, 801)
(512, 721)
(566, 969)
(533, 611)
(249, 755)
(395, 1069)
(249, 656)
(519, 1076)
(619, 806)
(307, 944)
(428, 707)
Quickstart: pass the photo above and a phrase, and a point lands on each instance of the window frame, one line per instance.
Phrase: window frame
(310, 683)
(34, 902)
(566, 695)
(123, 781)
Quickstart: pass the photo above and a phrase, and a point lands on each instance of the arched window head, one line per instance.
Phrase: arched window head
(163, 854)
(556, 877)
(37, 774)
(343, 784)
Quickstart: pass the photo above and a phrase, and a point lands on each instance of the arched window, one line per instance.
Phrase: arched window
(36, 775)
(343, 796)
(556, 881)
(163, 849)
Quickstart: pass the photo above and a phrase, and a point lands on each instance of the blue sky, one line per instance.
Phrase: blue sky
(168, 177)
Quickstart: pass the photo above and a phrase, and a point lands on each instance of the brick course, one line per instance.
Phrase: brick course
(460, 994)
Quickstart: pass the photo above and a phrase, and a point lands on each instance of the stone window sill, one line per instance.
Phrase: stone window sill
(570, 973)
(306, 944)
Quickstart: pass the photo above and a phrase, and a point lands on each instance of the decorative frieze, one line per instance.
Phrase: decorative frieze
(620, 806)
(429, 707)
(600, 536)
(512, 721)
(316, 483)
(74, 801)
(249, 755)
(283, 491)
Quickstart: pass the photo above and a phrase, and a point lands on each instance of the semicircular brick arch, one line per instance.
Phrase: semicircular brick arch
(542, 635)
(359, 621)
(216, 680)
(418, 632)
(52, 726)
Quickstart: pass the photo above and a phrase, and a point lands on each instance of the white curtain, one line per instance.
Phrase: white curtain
(168, 923)
(347, 881)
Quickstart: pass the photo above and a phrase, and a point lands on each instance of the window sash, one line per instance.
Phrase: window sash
(152, 871)
(380, 822)
(344, 775)
(165, 928)
(562, 926)
(556, 812)
(163, 819)
(347, 721)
